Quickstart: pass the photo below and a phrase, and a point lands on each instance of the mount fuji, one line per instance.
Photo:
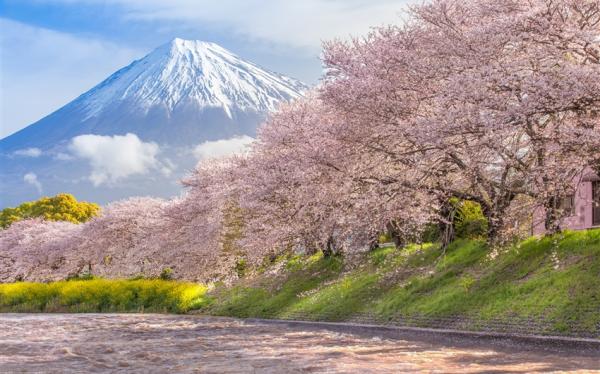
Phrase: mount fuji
(148, 118)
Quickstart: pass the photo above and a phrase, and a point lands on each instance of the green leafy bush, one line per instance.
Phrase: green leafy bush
(166, 274)
(469, 223)
(241, 266)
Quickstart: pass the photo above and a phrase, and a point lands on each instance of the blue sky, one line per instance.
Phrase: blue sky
(53, 50)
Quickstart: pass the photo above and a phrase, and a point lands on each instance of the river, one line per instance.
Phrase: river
(155, 343)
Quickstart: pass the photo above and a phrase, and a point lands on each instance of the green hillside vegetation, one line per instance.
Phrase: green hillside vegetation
(102, 295)
(553, 278)
(62, 207)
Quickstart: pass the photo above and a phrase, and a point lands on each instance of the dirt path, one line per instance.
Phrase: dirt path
(153, 343)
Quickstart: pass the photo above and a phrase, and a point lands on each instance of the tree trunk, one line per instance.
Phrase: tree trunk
(447, 235)
(495, 220)
(311, 247)
(397, 238)
(552, 216)
(596, 167)
(329, 249)
(374, 243)
(494, 227)
(446, 224)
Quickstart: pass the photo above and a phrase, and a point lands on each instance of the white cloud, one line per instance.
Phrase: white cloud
(220, 148)
(31, 178)
(167, 167)
(42, 69)
(113, 158)
(303, 23)
(60, 156)
(28, 152)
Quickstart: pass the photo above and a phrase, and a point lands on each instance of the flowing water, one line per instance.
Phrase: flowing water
(153, 343)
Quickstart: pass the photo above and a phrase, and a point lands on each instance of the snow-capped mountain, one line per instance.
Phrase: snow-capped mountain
(181, 94)
(192, 72)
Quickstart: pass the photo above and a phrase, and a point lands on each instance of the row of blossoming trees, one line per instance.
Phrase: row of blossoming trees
(495, 102)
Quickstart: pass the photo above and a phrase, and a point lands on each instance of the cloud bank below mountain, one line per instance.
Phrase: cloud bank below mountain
(113, 158)
(221, 148)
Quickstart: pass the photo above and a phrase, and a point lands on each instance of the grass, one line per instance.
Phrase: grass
(557, 279)
(102, 295)
(271, 297)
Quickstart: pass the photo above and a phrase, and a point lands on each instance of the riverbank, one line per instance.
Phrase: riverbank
(548, 286)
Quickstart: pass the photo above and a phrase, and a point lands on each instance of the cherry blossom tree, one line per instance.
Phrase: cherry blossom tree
(493, 102)
(313, 187)
(128, 234)
(496, 99)
(35, 249)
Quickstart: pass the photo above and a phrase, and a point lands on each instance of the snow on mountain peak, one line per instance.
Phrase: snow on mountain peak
(144, 122)
(184, 72)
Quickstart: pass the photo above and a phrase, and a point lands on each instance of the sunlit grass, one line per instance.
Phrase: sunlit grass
(102, 295)
(555, 278)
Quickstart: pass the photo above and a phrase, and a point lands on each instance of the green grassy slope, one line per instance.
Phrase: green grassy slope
(553, 279)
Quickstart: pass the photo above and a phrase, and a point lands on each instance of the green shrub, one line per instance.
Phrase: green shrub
(431, 233)
(82, 276)
(384, 238)
(469, 223)
(166, 274)
(241, 266)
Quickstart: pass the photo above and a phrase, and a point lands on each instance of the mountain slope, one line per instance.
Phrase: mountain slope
(193, 71)
(181, 94)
